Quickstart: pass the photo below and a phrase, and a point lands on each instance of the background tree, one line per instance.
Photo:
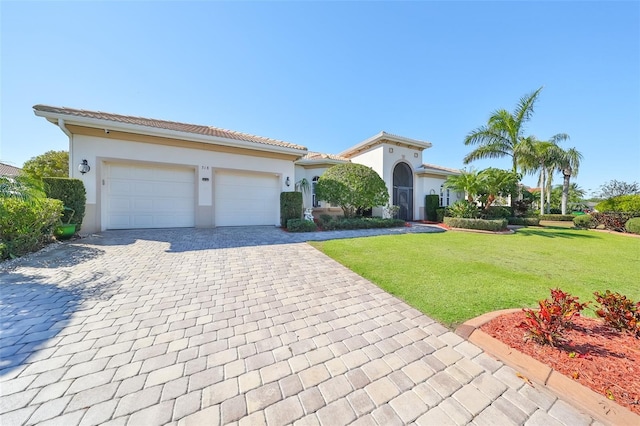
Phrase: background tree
(568, 164)
(615, 188)
(49, 164)
(542, 157)
(353, 187)
(576, 196)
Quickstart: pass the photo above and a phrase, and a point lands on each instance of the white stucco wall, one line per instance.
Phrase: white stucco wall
(383, 158)
(98, 151)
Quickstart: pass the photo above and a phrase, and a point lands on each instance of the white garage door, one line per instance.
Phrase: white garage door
(149, 197)
(246, 199)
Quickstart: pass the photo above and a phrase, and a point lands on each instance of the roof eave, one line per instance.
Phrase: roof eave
(384, 136)
(166, 133)
(421, 170)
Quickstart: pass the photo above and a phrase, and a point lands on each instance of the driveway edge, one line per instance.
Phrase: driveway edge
(532, 370)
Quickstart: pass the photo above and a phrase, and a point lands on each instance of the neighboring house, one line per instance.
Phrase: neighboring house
(147, 173)
(9, 170)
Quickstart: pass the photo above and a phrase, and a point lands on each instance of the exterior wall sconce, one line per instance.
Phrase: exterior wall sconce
(287, 181)
(84, 167)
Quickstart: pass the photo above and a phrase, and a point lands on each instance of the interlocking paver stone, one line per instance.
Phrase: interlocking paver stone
(239, 325)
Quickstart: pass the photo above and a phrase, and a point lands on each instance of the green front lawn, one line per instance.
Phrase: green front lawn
(455, 276)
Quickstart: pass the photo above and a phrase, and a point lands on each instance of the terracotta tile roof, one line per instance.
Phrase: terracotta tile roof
(9, 170)
(440, 168)
(168, 125)
(321, 156)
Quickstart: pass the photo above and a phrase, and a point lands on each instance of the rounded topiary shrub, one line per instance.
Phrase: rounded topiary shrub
(633, 225)
(584, 221)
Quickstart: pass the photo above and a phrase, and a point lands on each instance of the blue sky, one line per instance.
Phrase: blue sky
(328, 75)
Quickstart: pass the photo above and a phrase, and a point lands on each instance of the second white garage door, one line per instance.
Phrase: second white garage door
(244, 198)
(140, 196)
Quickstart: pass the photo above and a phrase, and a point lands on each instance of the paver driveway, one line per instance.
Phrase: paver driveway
(218, 326)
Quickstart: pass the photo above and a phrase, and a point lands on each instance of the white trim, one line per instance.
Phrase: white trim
(166, 133)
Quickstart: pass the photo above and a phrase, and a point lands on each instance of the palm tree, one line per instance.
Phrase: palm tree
(502, 136)
(497, 183)
(568, 164)
(469, 182)
(542, 157)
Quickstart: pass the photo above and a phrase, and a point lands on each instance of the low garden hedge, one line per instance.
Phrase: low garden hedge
(557, 217)
(480, 224)
(361, 223)
(301, 225)
(524, 221)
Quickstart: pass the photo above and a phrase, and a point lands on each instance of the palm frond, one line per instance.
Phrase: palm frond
(525, 107)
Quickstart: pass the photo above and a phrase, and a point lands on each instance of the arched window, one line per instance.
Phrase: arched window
(314, 200)
(441, 195)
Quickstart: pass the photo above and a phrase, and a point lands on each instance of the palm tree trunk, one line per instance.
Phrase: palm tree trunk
(565, 190)
(542, 183)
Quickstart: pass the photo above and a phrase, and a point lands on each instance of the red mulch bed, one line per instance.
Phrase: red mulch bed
(597, 356)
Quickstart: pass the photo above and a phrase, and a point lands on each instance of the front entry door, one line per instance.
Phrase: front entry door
(405, 202)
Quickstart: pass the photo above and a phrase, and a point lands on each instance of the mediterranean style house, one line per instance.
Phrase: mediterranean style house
(147, 173)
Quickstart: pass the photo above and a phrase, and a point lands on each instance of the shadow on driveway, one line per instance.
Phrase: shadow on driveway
(34, 311)
(191, 239)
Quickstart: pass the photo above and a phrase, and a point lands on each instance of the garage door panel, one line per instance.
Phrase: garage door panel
(244, 198)
(150, 197)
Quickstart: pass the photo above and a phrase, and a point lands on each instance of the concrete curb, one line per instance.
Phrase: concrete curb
(584, 398)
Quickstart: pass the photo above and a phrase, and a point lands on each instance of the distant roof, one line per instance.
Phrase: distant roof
(211, 131)
(384, 137)
(320, 158)
(9, 170)
(439, 169)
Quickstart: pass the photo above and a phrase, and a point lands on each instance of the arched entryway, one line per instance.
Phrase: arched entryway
(403, 190)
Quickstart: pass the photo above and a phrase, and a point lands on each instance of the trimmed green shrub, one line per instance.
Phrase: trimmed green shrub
(622, 203)
(440, 214)
(325, 218)
(362, 223)
(72, 194)
(463, 208)
(633, 225)
(555, 210)
(26, 225)
(524, 221)
(301, 225)
(290, 206)
(481, 224)
(557, 217)
(431, 204)
(584, 221)
(496, 212)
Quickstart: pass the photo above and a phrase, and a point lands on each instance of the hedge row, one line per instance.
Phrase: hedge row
(524, 221)
(301, 225)
(361, 223)
(481, 224)
(557, 217)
